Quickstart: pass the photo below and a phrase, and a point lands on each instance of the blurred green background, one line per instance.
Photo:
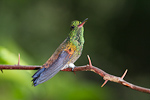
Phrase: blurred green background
(116, 38)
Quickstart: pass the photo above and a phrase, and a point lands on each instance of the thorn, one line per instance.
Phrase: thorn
(124, 74)
(74, 72)
(1, 70)
(104, 83)
(90, 63)
(19, 59)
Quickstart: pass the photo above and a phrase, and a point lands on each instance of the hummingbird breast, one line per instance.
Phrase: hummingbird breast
(74, 50)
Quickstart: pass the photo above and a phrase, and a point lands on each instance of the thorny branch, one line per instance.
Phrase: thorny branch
(107, 77)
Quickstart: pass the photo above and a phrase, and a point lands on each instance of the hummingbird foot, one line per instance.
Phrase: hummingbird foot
(71, 65)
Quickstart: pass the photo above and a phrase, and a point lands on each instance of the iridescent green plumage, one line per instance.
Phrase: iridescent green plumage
(76, 35)
(64, 56)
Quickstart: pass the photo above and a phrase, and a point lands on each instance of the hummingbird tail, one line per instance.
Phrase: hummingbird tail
(45, 74)
(36, 76)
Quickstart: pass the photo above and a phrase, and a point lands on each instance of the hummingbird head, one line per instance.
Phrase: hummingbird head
(76, 34)
(77, 24)
(77, 28)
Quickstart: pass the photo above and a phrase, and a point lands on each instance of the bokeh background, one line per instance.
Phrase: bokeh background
(117, 37)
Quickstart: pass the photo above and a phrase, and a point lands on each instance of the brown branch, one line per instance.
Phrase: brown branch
(19, 67)
(107, 77)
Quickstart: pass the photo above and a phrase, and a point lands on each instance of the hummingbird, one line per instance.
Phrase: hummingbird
(64, 56)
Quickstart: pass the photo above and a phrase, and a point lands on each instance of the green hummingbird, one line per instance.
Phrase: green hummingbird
(64, 56)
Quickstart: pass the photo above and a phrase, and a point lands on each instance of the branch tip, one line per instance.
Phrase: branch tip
(104, 83)
(1, 70)
(124, 74)
(90, 63)
(18, 58)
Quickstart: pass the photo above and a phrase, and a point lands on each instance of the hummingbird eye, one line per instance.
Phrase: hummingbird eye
(72, 27)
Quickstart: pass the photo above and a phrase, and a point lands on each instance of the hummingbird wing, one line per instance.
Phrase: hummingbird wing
(45, 74)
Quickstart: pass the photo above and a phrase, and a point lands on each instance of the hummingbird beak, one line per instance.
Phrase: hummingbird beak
(83, 22)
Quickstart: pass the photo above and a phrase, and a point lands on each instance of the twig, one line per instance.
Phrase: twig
(19, 59)
(19, 67)
(107, 77)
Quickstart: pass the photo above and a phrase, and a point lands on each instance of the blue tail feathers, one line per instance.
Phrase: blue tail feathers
(37, 75)
(45, 74)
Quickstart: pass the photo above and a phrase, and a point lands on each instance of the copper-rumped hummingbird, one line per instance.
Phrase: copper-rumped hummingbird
(64, 56)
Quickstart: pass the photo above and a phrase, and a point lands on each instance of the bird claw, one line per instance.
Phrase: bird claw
(72, 66)
(73, 71)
